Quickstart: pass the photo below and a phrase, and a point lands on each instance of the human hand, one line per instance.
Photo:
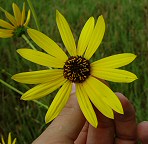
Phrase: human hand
(71, 127)
(142, 131)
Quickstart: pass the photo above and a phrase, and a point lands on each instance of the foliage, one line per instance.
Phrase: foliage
(126, 31)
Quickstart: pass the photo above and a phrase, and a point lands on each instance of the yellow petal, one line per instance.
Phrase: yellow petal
(114, 61)
(23, 14)
(42, 90)
(96, 98)
(47, 44)
(3, 142)
(96, 38)
(36, 77)
(6, 31)
(85, 36)
(86, 106)
(17, 14)
(5, 24)
(5, 35)
(105, 94)
(14, 141)
(28, 18)
(9, 138)
(59, 102)
(114, 75)
(40, 58)
(11, 18)
(66, 34)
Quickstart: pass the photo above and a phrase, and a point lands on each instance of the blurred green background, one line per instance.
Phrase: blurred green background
(126, 31)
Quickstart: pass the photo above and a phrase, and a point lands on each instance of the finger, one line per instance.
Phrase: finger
(81, 139)
(104, 133)
(125, 124)
(142, 132)
(66, 127)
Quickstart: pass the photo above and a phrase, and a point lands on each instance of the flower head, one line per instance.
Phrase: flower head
(9, 140)
(17, 25)
(75, 68)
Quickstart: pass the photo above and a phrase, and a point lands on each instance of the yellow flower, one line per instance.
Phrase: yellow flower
(9, 140)
(75, 69)
(17, 25)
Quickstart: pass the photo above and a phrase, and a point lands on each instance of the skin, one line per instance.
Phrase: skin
(71, 127)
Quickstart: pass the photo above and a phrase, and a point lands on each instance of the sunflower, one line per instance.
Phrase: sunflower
(75, 68)
(9, 140)
(17, 25)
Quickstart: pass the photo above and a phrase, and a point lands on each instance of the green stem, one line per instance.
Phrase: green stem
(34, 14)
(19, 92)
(41, 104)
(5, 72)
(11, 87)
(2, 9)
(28, 42)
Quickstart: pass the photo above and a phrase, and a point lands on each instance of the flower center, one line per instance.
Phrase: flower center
(76, 69)
(19, 31)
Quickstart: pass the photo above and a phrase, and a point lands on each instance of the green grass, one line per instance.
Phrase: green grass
(126, 31)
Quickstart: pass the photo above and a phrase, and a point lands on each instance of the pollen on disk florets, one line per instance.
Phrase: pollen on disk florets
(76, 69)
(19, 31)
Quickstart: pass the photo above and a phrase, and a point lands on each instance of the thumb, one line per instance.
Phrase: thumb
(66, 127)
